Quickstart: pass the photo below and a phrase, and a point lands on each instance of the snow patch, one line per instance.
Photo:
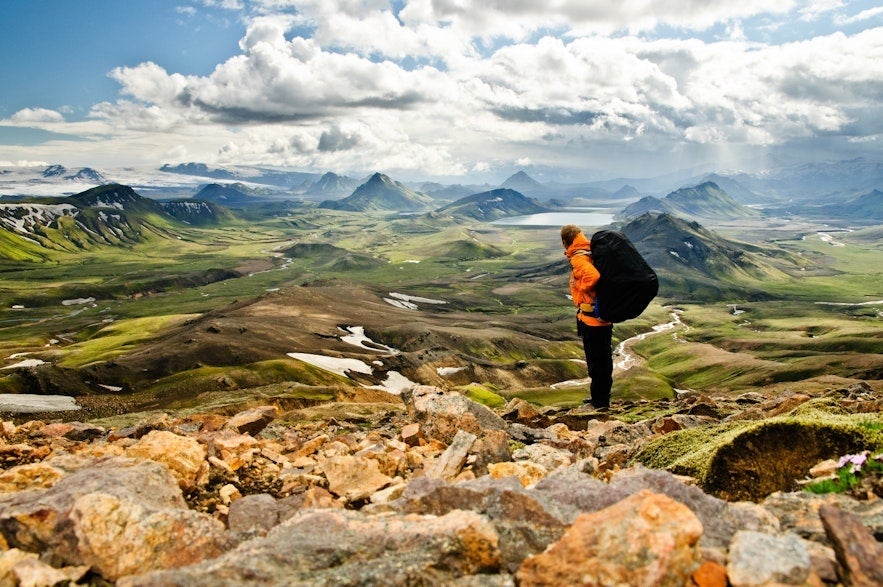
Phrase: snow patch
(448, 371)
(357, 338)
(26, 403)
(26, 363)
(77, 301)
(333, 364)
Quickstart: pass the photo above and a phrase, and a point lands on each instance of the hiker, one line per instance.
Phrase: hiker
(596, 333)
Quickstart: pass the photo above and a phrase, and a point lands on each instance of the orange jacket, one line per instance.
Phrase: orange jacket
(583, 278)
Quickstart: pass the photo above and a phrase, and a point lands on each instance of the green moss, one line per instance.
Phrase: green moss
(751, 459)
(483, 395)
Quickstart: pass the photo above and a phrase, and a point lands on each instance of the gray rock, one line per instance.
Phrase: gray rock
(859, 555)
(760, 559)
(319, 548)
(253, 513)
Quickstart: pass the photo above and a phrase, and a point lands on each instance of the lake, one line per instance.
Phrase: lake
(583, 217)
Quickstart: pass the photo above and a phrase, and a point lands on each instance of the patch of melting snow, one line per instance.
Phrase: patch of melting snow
(395, 382)
(736, 310)
(407, 302)
(26, 403)
(357, 338)
(829, 238)
(571, 383)
(401, 304)
(874, 303)
(110, 387)
(77, 301)
(334, 364)
(26, 363)
(448, 371)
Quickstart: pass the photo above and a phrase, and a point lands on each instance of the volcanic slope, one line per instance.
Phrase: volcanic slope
(696, 262)
(492, 205)
(704, 202)
(381, 193)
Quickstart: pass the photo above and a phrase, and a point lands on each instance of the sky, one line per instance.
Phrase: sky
(457, 91)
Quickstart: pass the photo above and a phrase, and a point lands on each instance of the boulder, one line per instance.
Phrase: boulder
(252, 421)
(761, 559)
(183, 455)
(646, 539)
(442, 413)
(391, 549)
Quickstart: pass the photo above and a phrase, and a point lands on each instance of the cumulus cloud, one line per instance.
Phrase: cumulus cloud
(36, 115)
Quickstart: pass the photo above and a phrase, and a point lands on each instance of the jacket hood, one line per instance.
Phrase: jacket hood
(580, 243)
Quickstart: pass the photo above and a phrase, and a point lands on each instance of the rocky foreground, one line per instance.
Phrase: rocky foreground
(432, 490)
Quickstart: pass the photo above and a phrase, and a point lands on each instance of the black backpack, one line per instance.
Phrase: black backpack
(627, 282)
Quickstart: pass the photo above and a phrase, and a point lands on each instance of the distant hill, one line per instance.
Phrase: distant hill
(381, 193)
(492, 205)
(329, 257)
(694, 260)
(198, 212)
(865, 207)
(331, 185)
(84, 174)
(525, 184)
(739, 192)
(470, 250)
(229, 195)
(450, 193)
(289, 180)
(807, 181)
(626, 192)
(705, 201)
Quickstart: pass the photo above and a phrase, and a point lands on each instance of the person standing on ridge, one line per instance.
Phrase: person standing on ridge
(596, 334)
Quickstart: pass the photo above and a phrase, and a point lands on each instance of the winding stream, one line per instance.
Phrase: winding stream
(623, 360)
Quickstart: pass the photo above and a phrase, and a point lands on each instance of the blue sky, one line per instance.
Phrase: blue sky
(454, 90)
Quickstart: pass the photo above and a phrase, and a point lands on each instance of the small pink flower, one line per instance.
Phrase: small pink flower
(856, 461)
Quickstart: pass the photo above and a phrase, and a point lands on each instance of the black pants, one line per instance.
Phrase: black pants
(597, 342)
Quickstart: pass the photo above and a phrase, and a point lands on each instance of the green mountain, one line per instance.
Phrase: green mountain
(492, 205)
(381, 193)
(108, 215)
(706, 201)
(694, 261)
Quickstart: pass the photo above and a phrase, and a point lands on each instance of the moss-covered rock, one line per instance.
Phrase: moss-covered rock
(749, 460)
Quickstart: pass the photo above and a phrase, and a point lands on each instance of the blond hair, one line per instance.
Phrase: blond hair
(568, 234)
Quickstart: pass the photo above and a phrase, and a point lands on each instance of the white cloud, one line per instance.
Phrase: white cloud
(453, 86)
(36, 115)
